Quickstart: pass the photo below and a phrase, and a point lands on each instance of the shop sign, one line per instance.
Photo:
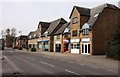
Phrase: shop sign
(85, 39)
(75, 40)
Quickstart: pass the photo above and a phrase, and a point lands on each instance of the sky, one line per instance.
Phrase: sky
(24, 15)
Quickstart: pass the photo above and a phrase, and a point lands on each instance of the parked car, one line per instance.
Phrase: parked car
(15, 47)
(1, 47)
(20, 48)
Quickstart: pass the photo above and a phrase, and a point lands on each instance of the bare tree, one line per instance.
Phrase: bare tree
(8, 31)
(3, 33)
(13, 32)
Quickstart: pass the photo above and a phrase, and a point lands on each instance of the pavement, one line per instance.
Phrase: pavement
(22, 62)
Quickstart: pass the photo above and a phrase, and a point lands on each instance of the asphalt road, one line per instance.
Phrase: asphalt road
(25, 63)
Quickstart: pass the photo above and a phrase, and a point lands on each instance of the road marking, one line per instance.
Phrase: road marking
(47, 63)
(30, 58)
(82, 64)
(72, 72)
(48, 57)
(12, 64)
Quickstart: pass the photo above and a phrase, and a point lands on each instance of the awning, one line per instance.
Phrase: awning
(45, 40)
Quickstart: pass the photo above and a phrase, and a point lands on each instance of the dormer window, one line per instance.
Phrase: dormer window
(74, 20)
(85, 31)
(96, 15)
(46, 33)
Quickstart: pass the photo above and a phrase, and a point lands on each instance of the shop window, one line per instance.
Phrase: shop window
(74, 20)
(33, 45)
(88, 48)
(29, 45)
(78, 46)
(72, 46)
(74, 33)
(85, 31)
(39, 45)
(75, 46)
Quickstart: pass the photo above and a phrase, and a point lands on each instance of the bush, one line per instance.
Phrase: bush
(20, 48)
(113, 47)
(33, 49)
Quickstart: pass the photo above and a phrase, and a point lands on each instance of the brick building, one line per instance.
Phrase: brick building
(48, 36)
(91, 28)
(59, 39)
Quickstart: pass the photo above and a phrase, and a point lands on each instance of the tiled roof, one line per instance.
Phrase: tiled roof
(98, 10)
(61, 29)
(54, 24)
(81, 10)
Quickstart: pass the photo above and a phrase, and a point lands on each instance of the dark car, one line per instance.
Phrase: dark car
(15, 47)
(1, 47)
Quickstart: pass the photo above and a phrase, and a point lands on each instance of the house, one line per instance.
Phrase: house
(91, 28)
(59, 39)
(42, 27)
(66, 39)
(31, 40)
(22, 41)
(48, 36)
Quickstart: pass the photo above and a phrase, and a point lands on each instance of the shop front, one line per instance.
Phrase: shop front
(39, 45)
(75, 46)
(85, 43)
(46, 45)
(66, 45)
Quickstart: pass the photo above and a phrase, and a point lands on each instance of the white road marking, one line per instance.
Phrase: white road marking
(47, 63)
(30, 58)
(48, 57)
(12, 64)
(82, 64)
(72, 72)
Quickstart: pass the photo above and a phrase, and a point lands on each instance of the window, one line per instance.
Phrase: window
(33, 45)
(58, 36)
(85, 31)
(74, 20)
(96, 15)
(75, 46)
(29, 45)
(74, 33)
(72, 46)
(39, 45)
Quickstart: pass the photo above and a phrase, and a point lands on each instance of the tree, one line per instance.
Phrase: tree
(9, 36)
(13, 32)
(113, 46)
(8, 31)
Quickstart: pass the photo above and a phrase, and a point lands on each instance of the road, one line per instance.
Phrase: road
(26, 63)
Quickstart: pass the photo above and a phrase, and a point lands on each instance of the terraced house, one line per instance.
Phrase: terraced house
(42, 27)
(48, 36)
(31, 40)
(60, 43)
(91, 28)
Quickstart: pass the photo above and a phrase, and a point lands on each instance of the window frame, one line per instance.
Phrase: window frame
(74, 20)
(85, 31)
(74, 33)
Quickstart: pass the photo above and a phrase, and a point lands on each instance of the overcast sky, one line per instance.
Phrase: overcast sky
(24, 15)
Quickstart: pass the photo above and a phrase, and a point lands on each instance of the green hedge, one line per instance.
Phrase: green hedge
(20, 48)
(113, 46)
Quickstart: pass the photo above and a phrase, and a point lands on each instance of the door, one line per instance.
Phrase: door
(85, 48)
(58, 47)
